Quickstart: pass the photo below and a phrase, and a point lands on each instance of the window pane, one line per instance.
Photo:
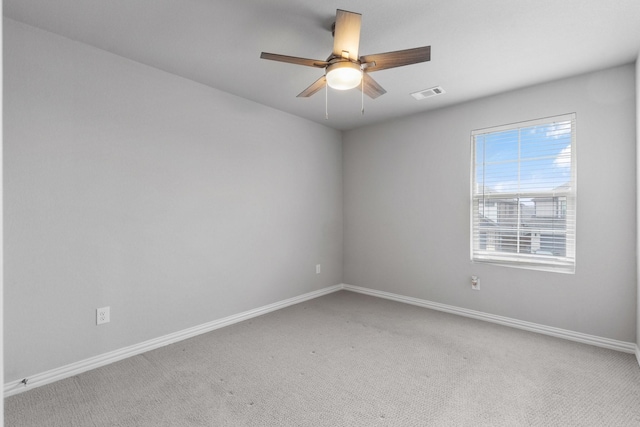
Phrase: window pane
(523, 195)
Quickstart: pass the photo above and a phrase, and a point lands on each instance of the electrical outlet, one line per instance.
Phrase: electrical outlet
(475, 283)
(318, 268)
(103, 315)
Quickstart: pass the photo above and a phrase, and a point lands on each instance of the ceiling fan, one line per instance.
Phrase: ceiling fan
(344, 69)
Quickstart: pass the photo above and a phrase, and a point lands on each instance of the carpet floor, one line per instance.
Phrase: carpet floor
(347, 359)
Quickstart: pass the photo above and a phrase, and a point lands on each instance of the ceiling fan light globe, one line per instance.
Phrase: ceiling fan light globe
(344, 75)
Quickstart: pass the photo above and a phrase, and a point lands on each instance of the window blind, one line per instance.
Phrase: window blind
(524, 194)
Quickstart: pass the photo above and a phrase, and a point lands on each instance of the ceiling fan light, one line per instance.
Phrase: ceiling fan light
(344, 75)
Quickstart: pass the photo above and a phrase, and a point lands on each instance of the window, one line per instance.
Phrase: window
(524, 194)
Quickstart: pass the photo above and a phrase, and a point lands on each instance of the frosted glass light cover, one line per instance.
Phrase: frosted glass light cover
(344, 75)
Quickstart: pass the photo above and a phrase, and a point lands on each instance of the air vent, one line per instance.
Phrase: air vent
(428, 93)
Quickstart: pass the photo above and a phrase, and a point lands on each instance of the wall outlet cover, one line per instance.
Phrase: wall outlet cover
(103, 315)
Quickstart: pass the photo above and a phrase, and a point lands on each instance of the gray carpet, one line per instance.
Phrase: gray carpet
(347, 359)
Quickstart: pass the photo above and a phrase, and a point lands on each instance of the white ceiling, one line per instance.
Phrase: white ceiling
(478, 47)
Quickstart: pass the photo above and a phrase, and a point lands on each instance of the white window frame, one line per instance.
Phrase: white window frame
(540, 260)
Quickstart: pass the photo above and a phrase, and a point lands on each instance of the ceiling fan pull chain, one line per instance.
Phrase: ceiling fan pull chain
(362, 91)
(326, 102)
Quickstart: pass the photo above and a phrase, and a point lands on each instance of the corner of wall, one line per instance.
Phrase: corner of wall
(1, 239)
(638, 206)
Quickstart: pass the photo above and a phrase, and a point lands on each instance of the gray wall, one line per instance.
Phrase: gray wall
(638, 205)
(1, 256)
(407, 219)
(173, 203)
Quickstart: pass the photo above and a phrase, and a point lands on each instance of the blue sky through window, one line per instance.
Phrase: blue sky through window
(527, 160)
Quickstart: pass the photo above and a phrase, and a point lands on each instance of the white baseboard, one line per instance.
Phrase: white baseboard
(15, 387)
(622, 346)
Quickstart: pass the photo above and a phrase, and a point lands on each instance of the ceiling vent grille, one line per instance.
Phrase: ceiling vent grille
(428, 93)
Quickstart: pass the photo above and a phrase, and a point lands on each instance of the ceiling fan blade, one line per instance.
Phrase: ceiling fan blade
(294, 60)
(398, 58)
(346, 34)
(371, 87)
(315, 87)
